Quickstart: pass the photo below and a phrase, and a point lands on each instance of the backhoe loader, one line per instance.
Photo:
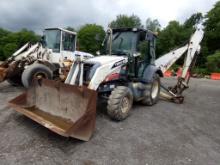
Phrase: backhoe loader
(122, 75)
(49, 58)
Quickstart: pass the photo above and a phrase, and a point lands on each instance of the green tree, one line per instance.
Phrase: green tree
(3, 32)
(25, 36)
(173, 36)
(212, 30)
(153, 25)
(123, 21)
(193, 20)
(9, 49)
(90, 37)
(11, 41)
(213, 62)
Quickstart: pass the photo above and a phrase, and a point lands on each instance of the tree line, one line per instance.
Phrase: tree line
(174, 35)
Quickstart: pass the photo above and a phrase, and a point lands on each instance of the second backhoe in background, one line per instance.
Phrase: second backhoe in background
(50, 58)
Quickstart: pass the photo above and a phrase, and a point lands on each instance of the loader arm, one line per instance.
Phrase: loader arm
(8, 66)
(166, 61)
(26, 55)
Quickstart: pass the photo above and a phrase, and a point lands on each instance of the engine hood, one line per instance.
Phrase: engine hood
(105, 59)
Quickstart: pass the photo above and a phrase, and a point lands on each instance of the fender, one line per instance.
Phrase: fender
(52, 66)
(149, 72)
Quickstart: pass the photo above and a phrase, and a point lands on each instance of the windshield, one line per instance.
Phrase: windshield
(123, 43)
(68, 41)
(52, 40)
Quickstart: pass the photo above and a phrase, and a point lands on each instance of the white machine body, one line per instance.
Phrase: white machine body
(106, 65)
(113, 64)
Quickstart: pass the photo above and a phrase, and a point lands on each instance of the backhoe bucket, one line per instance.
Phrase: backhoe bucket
(68, 110)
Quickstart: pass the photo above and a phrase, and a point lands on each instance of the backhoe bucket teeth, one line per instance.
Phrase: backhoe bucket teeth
(68, 110)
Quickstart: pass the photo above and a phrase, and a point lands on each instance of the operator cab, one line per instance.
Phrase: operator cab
(59, 39)
(62, 42)
(137, 44)
(130, 42)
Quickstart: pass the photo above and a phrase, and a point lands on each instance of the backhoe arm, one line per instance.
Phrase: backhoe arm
(166, 61)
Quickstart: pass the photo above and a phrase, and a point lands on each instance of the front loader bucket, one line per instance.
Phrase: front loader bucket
(68, 110)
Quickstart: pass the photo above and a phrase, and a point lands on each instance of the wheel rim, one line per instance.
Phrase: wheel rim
(125, 104)
(155, 89)
(40, 75)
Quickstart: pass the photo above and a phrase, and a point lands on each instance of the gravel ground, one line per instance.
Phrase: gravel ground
(165, 134)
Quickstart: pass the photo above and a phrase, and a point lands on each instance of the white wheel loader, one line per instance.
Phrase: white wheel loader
(45, 59)
(121, 75)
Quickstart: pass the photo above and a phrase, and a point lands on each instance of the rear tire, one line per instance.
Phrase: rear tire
(35, 71)
(120, 103)
(152, 92)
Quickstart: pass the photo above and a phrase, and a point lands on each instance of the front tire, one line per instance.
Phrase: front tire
(152, 92)
(120, 103)
(35, 71)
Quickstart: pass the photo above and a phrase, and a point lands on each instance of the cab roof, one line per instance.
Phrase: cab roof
(134, 30)
(67, 31)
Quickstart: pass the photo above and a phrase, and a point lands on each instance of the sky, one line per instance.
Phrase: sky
(39, 14)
